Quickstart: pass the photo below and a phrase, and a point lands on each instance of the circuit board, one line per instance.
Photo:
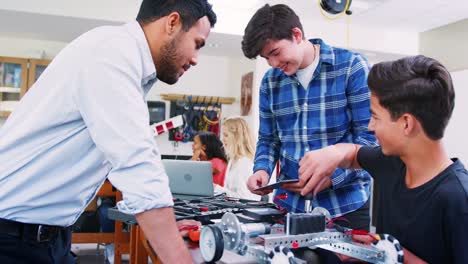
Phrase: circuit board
(201, 209)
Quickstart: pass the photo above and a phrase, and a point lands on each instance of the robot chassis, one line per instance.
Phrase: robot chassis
(271, 243)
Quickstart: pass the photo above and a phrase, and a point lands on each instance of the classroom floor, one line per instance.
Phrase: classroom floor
(89, 254)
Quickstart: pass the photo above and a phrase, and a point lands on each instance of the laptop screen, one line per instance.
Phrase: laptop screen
(189, 177)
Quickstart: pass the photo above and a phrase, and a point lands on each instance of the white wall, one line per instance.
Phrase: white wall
(447, 44)
(213, 76)
(362, 37)
(29, 48)
(261, 66)
(457, 129)
(112, 10)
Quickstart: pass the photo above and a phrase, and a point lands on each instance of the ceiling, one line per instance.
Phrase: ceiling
(404, 15)
(58, 20)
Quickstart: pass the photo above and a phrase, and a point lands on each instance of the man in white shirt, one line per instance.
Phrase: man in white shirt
(86, 120)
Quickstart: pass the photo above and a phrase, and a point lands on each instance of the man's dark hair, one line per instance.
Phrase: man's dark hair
(417, 85)
(190, 11)
(269, 23)
(214, 146)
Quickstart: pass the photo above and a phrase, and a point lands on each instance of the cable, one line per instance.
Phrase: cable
(348, 34)
(348, 21)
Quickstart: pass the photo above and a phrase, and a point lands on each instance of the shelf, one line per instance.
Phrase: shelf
(8, 106)
(10, 90)
(199, 98)
(4, 114)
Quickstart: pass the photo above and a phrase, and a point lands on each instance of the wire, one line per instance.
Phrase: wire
(348, 31)
(276, 200)
(348, 20)
(362, 232)
(349, 231)
(188, 227)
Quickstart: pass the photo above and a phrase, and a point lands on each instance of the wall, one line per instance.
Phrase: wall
(213, 76)
(447, 44)
(29, 48)
(362, 37)
(111, 10)
(457, 128)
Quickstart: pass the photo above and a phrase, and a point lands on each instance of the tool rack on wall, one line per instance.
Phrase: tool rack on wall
(200, 113)
(199, 98)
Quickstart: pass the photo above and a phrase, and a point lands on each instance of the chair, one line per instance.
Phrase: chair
(120, 238)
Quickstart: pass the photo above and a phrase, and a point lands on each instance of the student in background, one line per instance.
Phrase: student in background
(207, 147)
(239, 147)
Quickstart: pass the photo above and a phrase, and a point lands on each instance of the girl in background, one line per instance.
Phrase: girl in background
(240, 150)
(207, 147)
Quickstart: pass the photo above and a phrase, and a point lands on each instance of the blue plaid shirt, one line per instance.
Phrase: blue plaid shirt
(333, 109)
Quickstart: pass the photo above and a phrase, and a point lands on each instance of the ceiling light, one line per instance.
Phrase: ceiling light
(361, 6)
(238, 4)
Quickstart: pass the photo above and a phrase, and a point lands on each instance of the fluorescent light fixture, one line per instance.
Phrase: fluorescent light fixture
(362, 5)
(235, 13)
(238, 4)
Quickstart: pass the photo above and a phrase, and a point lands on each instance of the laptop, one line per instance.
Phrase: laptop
(189, 179)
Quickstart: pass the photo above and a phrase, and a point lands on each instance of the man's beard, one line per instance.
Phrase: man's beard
(166, 68)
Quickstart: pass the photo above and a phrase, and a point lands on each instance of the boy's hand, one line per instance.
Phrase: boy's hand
(316, 167)
(364, 239)
(258, 179)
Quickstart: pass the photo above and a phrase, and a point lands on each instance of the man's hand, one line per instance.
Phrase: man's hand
(185, 226)
(258, 179)
(160, 227)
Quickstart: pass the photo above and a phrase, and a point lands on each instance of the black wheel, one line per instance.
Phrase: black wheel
(392, 248)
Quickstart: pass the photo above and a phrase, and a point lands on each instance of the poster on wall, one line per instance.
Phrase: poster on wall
(246, 93)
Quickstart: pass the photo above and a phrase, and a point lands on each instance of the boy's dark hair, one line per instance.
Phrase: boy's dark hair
(190, 11)
(269, 23)
(214, 146)
(417, 85)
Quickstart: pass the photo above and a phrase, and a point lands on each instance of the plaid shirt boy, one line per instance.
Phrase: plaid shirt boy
(333, 109)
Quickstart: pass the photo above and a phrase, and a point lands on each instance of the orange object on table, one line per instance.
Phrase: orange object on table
(194, 235)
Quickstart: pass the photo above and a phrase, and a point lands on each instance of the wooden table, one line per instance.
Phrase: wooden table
(140, 249)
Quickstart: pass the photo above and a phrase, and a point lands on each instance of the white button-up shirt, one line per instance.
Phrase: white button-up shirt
(85, 119)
